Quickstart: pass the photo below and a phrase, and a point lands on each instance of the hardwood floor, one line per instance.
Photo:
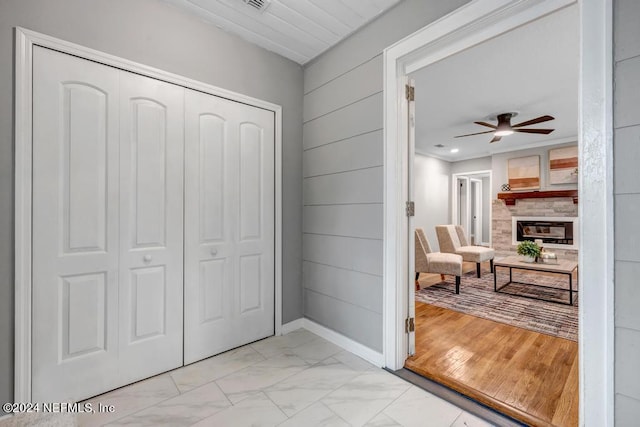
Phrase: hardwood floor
(529, 376)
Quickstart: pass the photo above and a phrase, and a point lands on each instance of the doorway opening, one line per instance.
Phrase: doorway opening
(467, 27)
(471, 205)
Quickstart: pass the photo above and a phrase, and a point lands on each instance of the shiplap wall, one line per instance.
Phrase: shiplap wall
(627, 210)
(343, 174)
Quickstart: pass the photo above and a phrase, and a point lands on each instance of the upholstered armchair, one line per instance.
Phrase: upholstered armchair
(453, 240)
(435, 262)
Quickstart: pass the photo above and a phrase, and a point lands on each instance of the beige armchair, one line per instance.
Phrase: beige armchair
(453, 240)
(435, 262)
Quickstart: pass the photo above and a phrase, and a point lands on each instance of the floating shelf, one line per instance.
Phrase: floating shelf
(511, 197)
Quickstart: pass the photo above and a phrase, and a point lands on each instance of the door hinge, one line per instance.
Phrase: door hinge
(409, 325)
(411, 209)
(410, 92)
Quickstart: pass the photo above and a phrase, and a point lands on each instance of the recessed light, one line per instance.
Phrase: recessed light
(454, 150)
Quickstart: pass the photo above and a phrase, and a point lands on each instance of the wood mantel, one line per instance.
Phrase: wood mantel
(511, 197)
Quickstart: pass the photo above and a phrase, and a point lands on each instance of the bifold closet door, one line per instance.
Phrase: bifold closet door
(151, 226)
(229, 225)
(107, 227)
(75, 227)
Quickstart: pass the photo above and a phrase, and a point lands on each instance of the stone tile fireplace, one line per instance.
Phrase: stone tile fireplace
(545, 217)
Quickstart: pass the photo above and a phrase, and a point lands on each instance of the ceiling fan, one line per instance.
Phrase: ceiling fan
(504, 126)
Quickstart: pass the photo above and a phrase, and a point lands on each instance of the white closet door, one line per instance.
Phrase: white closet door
(229, 225)
(151, 227)
(75, 227)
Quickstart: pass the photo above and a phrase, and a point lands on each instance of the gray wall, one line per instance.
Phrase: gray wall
(471, 165)
(153, 33)
(627, 210)
(432, 195)
(343, 177)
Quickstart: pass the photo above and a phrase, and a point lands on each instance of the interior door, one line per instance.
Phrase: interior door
(107, 227)
(75, 227)
(229, 225)
(151, 226)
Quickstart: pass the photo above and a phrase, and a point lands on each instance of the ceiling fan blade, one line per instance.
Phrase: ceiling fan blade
(471, 134)
(534, 121)
(486, 124)
(542, 131)
(496, 139)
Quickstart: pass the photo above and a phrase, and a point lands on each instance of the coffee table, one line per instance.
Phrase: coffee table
(564, 267)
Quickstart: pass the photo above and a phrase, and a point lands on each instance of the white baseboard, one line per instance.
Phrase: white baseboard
(338, 339)
(292, 326)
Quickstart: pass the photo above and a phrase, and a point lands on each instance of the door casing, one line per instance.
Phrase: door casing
(455, 208)
(471, 24)
(25, 40)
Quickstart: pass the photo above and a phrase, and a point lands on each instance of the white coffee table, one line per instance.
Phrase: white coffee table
(564, 267)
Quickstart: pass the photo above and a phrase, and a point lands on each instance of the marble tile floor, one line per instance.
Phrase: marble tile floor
(298, 379)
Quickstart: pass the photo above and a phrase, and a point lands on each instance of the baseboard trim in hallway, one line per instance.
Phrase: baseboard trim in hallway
(368, 354)
(456, 398)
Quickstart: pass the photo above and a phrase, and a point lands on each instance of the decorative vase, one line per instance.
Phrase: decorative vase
(526, 258)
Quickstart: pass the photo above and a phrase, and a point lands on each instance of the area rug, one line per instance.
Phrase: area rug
(478, 298)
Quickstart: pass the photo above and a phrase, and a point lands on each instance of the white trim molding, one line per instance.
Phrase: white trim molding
(454, 199)
(25, 40)
(595, 210)
(292, 326)
(464, 28)
(371, 356)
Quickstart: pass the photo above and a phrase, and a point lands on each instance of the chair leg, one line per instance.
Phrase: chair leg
(442, 277)
(491, 264)
(417, 275)
(478, 269)
(457, 284)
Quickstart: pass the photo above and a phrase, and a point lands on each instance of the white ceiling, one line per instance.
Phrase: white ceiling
(532, 70)
(296, 29)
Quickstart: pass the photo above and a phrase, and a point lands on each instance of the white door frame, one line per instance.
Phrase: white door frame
(454, 200)
(457, 217)
(477, 205)
(469, 25)
(25, 41)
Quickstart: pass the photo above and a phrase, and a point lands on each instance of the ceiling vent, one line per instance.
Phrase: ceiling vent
(259, 5)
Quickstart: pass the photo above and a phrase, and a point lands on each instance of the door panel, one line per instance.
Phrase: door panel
(250, 283)
(84, 153)
(229, 231)
(212, 279)
(148, 172)
(148, 300)
(251, 161)
(151, 168)
(211, 134)
(75, 227)
(83, 314)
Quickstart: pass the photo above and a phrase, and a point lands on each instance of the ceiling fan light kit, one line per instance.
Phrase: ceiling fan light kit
(505, 128)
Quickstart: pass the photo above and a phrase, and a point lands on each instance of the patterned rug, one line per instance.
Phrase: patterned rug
(477, 298)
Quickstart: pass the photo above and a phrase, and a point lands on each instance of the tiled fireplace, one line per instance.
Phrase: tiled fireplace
(552, 219)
